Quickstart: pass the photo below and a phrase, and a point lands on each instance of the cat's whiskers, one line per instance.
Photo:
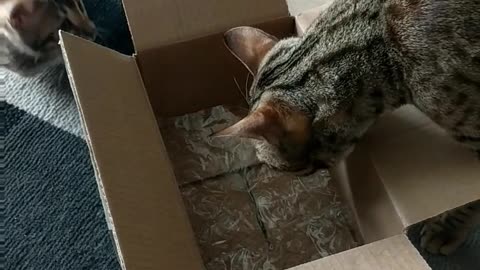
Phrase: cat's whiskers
(240, 89)
(246, 86)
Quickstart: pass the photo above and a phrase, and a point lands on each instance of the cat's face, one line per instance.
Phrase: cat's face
(29, 31)
(282, 131)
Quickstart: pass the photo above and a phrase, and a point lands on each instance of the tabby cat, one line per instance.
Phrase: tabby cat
(314, 97)
(29, 31)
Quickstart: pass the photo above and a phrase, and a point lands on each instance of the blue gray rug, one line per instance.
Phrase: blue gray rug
(55, 219)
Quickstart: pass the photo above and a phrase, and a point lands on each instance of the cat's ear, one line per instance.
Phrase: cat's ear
(77, 15)
(249, 45)
(261, 124)
(271, 122)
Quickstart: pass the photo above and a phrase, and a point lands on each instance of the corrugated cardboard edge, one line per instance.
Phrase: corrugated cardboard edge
(395, 253)
(98, 176)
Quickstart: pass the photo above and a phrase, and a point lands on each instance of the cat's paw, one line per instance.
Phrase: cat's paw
(446, 233)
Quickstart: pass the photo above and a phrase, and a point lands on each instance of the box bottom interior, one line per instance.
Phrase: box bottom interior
(246, 215)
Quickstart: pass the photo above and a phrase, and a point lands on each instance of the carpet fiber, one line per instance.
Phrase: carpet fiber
(55, 219)
(55, 216)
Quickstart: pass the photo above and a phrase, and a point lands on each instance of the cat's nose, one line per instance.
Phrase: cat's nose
(310, 169)
(321, 165)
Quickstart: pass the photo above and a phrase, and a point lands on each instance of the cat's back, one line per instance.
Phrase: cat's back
(435, 40)
(437, 43)
(417, 27)
(425, 30)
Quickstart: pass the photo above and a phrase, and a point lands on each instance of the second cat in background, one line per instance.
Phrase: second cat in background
(29, 32)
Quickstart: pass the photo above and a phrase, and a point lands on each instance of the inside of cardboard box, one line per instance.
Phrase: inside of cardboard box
(244, 214)
(205, 64)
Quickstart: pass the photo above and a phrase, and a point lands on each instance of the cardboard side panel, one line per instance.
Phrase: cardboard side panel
(149, 221)
(395, 253)
(375, 213)
(155, 23)
(218, 77)
(406, 170)
(425, 172)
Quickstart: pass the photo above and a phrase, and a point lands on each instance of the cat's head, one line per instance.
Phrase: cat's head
(294, 122)
(278, 122)
(29, 31)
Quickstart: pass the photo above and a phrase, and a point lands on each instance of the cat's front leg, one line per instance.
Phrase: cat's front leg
(447, 232)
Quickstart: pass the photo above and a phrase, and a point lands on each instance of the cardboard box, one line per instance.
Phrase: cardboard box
(405, 171)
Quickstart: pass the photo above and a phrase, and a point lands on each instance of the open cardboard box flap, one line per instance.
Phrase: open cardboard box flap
(396, 253)
(174, 21)
(136, 181)
(405, 171)
(427, 166)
